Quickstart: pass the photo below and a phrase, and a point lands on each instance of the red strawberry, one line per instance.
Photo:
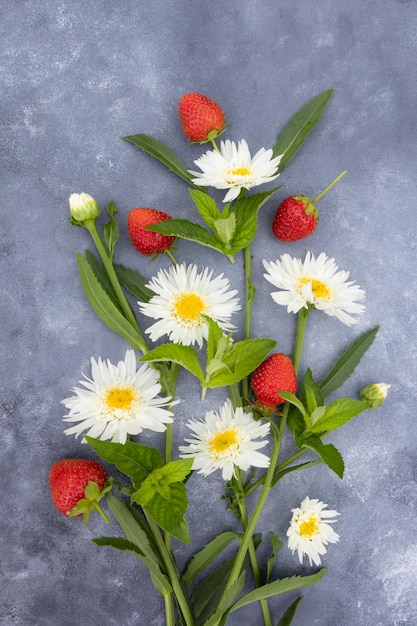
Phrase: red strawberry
(297, 216)
(77, 482)
(201, 118)
(275, 374)
(145, 241)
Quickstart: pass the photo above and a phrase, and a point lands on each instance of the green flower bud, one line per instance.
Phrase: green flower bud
(83, 207)
(375, 394)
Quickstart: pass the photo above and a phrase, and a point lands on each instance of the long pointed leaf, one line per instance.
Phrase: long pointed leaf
(347, 362)
(187, 230)
(207, 555)
(278, 587)
(293, 135)
(103, 305)
(133, 282)
(163, 153)
(287, 618)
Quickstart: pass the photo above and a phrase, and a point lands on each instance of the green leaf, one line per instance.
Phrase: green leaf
(187, 230)
(202, 559)
(276, 545)
(347, 362)
(338, 413)
(133, 282)
(216, 341)
(287, 618)
(162, 152)
(293, 135)
(138, 537)
(118, 543)
(133, 459)
(102, 277)
(328, 453)
(176, 471)
(310, 394)
(206, 206)
(227, 600)
(111, 230)
(183, 355)
(292, 399)
(103, 305)
(169, 514)
(278, 587)
(225, 228)
(243, 358)
(246, 213)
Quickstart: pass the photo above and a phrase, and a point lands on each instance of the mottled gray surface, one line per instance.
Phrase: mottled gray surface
(76, 76)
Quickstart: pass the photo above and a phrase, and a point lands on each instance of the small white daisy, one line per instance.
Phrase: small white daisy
(226, 439)
(182, 296)
(314, 282)
(117, 401)
(308, 533)
(233, 168)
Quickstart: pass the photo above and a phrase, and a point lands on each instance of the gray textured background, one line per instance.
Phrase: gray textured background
(76, 76)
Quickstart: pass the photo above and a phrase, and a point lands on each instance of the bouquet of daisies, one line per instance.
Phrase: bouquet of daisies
(190, 311)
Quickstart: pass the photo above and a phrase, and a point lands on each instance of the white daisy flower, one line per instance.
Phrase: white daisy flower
(226, 439)
(308, 533)
(117, 401)
(314, 282)
(233, 168)
(182, 296)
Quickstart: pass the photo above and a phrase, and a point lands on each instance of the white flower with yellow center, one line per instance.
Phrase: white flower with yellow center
(310, 530)
(224, 440)
(182, 297)
(117, 401)
(314, 282)
(233, 168)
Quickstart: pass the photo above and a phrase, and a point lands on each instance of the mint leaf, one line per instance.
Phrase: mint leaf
(187, 230)
(338, 413)
(242, 359)
(328, 453)
(246, 213)
(206, 206)
(183, 355)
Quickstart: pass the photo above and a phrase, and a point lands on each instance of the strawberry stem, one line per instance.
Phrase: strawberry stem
(329, 186)
(171, 256)
(98, 508)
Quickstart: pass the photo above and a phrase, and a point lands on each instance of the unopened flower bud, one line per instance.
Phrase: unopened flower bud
(83, 207)
(375, 394)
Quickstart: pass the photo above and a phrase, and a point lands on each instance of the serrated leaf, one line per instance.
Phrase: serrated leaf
(246, 212)
(102, 277)
(276, 545)
(111, 230)
(338, 413)
(183, 355)
(103, 305)
(347, 362)
(169, 514)
(310, 394)
(328, 453)
(133, 282)
(187, 230)
(176, 471)
(287, 618)
(243, 358)
(225, 228)
(215, 335)
(295, 132)
(118, 543)
(162, 152)
(206, 556)
(133, 459)
(317, 414)
(206, 206)
(278, 587)
(292, 399)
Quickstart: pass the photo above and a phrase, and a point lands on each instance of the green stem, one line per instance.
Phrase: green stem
(172, 573)
(169, 434)
(169, 609)
(329, 187)
(249, 299)
(251, 549)
(266, 488)
(108, 265)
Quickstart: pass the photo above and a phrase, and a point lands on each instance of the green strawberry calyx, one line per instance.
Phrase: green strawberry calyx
(93, 495)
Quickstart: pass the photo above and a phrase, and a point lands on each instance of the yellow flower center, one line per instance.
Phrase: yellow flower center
(319, 289)
(188, 306)
(221, 442)
(240, 171)
(309, 528)
(121, 398)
